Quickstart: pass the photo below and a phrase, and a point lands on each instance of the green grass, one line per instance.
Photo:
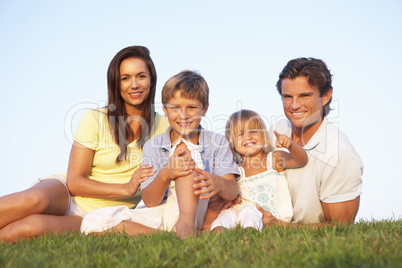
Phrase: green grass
(365, 244)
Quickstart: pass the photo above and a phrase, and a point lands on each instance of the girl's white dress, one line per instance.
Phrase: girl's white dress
(269, 189)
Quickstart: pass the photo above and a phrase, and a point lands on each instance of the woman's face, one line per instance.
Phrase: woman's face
(135, 83)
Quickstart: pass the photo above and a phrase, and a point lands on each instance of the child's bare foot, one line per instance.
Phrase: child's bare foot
(185, 229)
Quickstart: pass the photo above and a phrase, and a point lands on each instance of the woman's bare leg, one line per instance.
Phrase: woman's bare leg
(187, 201)
(47, 197)
(39, 224)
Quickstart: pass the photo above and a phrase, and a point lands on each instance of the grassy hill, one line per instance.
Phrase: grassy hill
(365, 244)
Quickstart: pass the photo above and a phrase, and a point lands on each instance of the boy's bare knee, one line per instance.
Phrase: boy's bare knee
(182, 146)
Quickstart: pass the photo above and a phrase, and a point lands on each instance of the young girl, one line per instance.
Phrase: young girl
(262, 180)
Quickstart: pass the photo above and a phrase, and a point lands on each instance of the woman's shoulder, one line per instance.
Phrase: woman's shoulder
(102, 112)
(96, 116)
(160, 125)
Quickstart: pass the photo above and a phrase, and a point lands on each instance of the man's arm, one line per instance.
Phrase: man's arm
(342, 212)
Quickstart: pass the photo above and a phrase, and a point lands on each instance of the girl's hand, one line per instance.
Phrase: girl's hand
(139, 176)
(213, 184)
(282, 141)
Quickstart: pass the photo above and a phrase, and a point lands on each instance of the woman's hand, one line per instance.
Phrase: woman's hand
(139, 176)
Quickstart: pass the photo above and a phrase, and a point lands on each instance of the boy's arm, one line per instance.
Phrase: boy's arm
(295, 158)
(207, 185)
(178, 165)
(153, 194)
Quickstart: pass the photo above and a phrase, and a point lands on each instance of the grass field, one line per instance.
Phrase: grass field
(365, 244)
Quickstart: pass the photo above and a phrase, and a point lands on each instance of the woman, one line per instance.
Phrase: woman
(107, 149)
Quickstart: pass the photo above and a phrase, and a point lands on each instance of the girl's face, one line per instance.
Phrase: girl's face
(135, 83)
(248, 142)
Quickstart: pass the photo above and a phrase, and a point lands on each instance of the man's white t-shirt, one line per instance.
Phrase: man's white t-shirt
(332, 174)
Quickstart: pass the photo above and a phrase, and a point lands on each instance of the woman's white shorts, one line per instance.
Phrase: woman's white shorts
(73, 208)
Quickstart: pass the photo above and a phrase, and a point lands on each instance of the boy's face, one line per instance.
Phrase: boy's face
(184, 116)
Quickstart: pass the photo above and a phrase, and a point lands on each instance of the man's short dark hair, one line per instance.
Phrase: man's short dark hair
(316, 72)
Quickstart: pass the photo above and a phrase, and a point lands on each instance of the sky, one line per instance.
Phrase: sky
(54, 56)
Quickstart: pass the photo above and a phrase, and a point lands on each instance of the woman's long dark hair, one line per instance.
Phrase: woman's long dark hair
(116, 112)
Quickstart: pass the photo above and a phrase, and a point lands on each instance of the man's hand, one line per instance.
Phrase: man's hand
(207, 184)
(267, 218)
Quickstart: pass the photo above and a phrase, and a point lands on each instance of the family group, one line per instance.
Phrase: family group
(134, 171)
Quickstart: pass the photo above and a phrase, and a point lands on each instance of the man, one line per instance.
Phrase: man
(327, 189)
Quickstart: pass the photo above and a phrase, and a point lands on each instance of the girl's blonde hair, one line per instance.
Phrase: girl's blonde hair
(245, 119)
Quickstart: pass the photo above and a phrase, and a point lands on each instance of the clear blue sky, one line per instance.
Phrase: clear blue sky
(54, 56)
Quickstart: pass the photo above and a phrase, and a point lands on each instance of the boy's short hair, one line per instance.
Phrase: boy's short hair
(190, 84)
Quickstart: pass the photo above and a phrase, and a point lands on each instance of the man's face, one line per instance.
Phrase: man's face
(302, 103)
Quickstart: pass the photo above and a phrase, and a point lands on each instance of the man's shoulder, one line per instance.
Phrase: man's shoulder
(334, 136)
(335, 146)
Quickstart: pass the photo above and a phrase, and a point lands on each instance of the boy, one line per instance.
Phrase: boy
(185, 102)
(188, 160)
